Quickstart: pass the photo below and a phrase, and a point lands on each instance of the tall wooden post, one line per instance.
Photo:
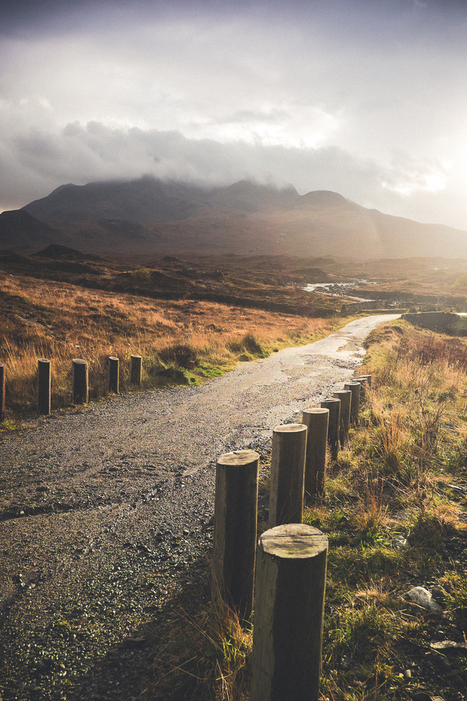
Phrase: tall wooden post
(287, 474)
(80, 381)
(235, 519)
(289, 611)
(354, 387)
(135, 369)
(334, 407)
(114, 378)
(317, 422)
(44, 384)
(345, 396)
(2, 391)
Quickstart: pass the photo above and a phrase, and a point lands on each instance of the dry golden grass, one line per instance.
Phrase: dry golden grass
(179, 340)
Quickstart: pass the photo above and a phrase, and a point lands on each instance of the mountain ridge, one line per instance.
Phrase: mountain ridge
(148, 215)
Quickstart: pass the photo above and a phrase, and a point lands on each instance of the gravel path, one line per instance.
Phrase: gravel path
(106, 516)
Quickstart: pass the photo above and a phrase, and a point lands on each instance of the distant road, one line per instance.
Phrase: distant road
(104, 512)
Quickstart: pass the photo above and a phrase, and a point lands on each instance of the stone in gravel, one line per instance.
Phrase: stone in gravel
(134, 642)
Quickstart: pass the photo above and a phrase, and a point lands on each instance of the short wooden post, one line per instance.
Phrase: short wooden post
(44, 385)
(287, 474)
(235, 519)
(365, 382)
(2, 391)
(289, 610)
(114, 379)
(345, 396)
(365, 377)
(354, 387)
(135, 369)
(80, 381)
(334, 407)
(317, 422)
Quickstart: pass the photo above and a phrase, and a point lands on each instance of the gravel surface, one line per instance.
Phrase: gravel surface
(106, 517)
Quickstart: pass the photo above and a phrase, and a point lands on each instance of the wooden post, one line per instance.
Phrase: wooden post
(334, 407)
(2, 391)
(235, 520)
(365, 382)
(289, 610)
(345, 395)
(317, 422)
(354, 387)
(365, 377)
(136, 367)
(43, 386)
(287, 474)
(80, 381)
(114, 379)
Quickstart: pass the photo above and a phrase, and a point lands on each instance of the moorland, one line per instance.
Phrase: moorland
(395, 503)
(191, 318)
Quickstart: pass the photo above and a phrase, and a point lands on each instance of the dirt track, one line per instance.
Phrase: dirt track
(105, 514)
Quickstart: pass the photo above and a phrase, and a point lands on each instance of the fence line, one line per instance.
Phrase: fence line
(291, 557)
(79, 383)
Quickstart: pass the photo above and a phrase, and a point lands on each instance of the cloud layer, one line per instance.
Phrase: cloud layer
(366, 99)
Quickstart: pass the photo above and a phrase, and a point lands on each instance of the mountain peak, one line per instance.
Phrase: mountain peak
(323, 198)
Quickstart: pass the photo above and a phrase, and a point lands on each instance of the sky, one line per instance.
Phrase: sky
(367, 98)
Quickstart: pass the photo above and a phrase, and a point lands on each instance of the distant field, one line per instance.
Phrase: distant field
(182, 340)
(189, 319)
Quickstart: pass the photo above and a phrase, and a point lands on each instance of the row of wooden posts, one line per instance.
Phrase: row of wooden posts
(80, 381)
(283, 574)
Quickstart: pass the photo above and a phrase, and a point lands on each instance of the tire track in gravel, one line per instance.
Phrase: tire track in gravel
(107, 512)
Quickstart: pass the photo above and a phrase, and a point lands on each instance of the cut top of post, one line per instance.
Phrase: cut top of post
(238, 457)
(316, 410)
(293, 541)
(290, 428)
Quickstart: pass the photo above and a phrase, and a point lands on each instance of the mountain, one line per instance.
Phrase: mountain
(19, 230)
(150, 199)
(128, 218)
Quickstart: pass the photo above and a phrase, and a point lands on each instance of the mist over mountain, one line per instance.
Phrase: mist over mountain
(169, 217)
(149, 199)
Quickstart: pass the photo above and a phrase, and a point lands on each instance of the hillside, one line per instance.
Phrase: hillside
(148, 216)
